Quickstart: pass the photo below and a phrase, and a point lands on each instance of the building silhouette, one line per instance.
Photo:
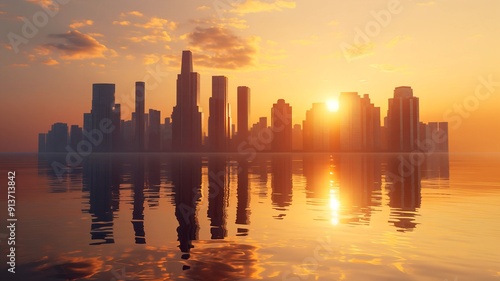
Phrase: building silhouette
(103, 101)
(359, 123)
(218, 120)
(243, 113)
(154, 139)
(321, 129)
(403, 121)
(75, 136)
(297, 138)
(116, 134)
(186, 115)
(281, 126)
(140, 98)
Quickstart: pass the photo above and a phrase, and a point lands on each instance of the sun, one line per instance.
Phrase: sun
(332, 105)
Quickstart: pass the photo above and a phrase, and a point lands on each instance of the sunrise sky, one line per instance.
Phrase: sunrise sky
(301, 50)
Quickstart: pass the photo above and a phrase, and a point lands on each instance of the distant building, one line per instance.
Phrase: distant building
(103, 100)
(75, 136)
(166, 135)
(186, 115)
(140, 99)
(281, 126)
(57, 138)
(297, 138)
(154, 139)
(243, 113)
(403, 120)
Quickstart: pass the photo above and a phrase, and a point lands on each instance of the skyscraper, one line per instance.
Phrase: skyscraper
(187, 116)
(218, 129)
(403, 120)
(243, 112)
(321, 129)
(154, 130)
(281, 126)
(75, 136)
(103, 101)
(140, 98)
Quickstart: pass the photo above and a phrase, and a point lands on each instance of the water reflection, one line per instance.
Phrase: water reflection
(336, 190)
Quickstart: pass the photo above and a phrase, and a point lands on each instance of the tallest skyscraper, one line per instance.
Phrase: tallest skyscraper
(186, 116)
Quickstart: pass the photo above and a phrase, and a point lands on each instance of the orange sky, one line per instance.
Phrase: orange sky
(298, 50)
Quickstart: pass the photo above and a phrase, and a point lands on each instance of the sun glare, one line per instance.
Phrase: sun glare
(332, 105)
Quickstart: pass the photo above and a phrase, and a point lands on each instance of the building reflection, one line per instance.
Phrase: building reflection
(359, 177)
(243, 195)
(218, 194)
(281, 183)
(404, 183)
(98, 180)
(138, 189)
(186, 179)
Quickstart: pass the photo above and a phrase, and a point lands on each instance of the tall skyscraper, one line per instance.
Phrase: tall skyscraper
(187, 116)
(103, 101)
(243, 112)
(218, 129)
(154, 130)
(140, 98)
(403, 120)
(59, 137)
(281, 126)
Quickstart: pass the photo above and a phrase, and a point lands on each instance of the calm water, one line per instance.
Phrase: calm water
(277, 217)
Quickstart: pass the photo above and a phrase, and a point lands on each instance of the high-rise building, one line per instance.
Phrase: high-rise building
(218, 127)
(140, 98)
(297, 138)
(187, 116)
(154, 130)
(403, 120)
(281, 126)
(321, 129)
(359, 123)
(117, 139)
(75, 136)
(103, 101)
(243, 112)
(58, 138)
(166, 135)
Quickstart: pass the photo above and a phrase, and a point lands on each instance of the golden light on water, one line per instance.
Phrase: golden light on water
(334, 206)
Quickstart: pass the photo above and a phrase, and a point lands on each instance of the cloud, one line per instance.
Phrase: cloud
(258, 6)
(357, 50)
(50, 4)
(132, 13)
(153, 30)
(50, 62)
(158, 23)
(78, 24)
(122, 23)
(75, 45)
(219, 47)
(222, 22)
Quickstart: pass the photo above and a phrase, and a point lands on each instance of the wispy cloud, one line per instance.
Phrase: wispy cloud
(235, 22)
(78, 24)
(132, 13)
(74, 45)
(50, 62)
(257, 6)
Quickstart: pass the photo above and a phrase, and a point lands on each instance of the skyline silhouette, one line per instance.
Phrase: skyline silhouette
(352, 126)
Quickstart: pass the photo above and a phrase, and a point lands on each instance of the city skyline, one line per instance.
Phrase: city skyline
(349, 124)
(315, 63)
